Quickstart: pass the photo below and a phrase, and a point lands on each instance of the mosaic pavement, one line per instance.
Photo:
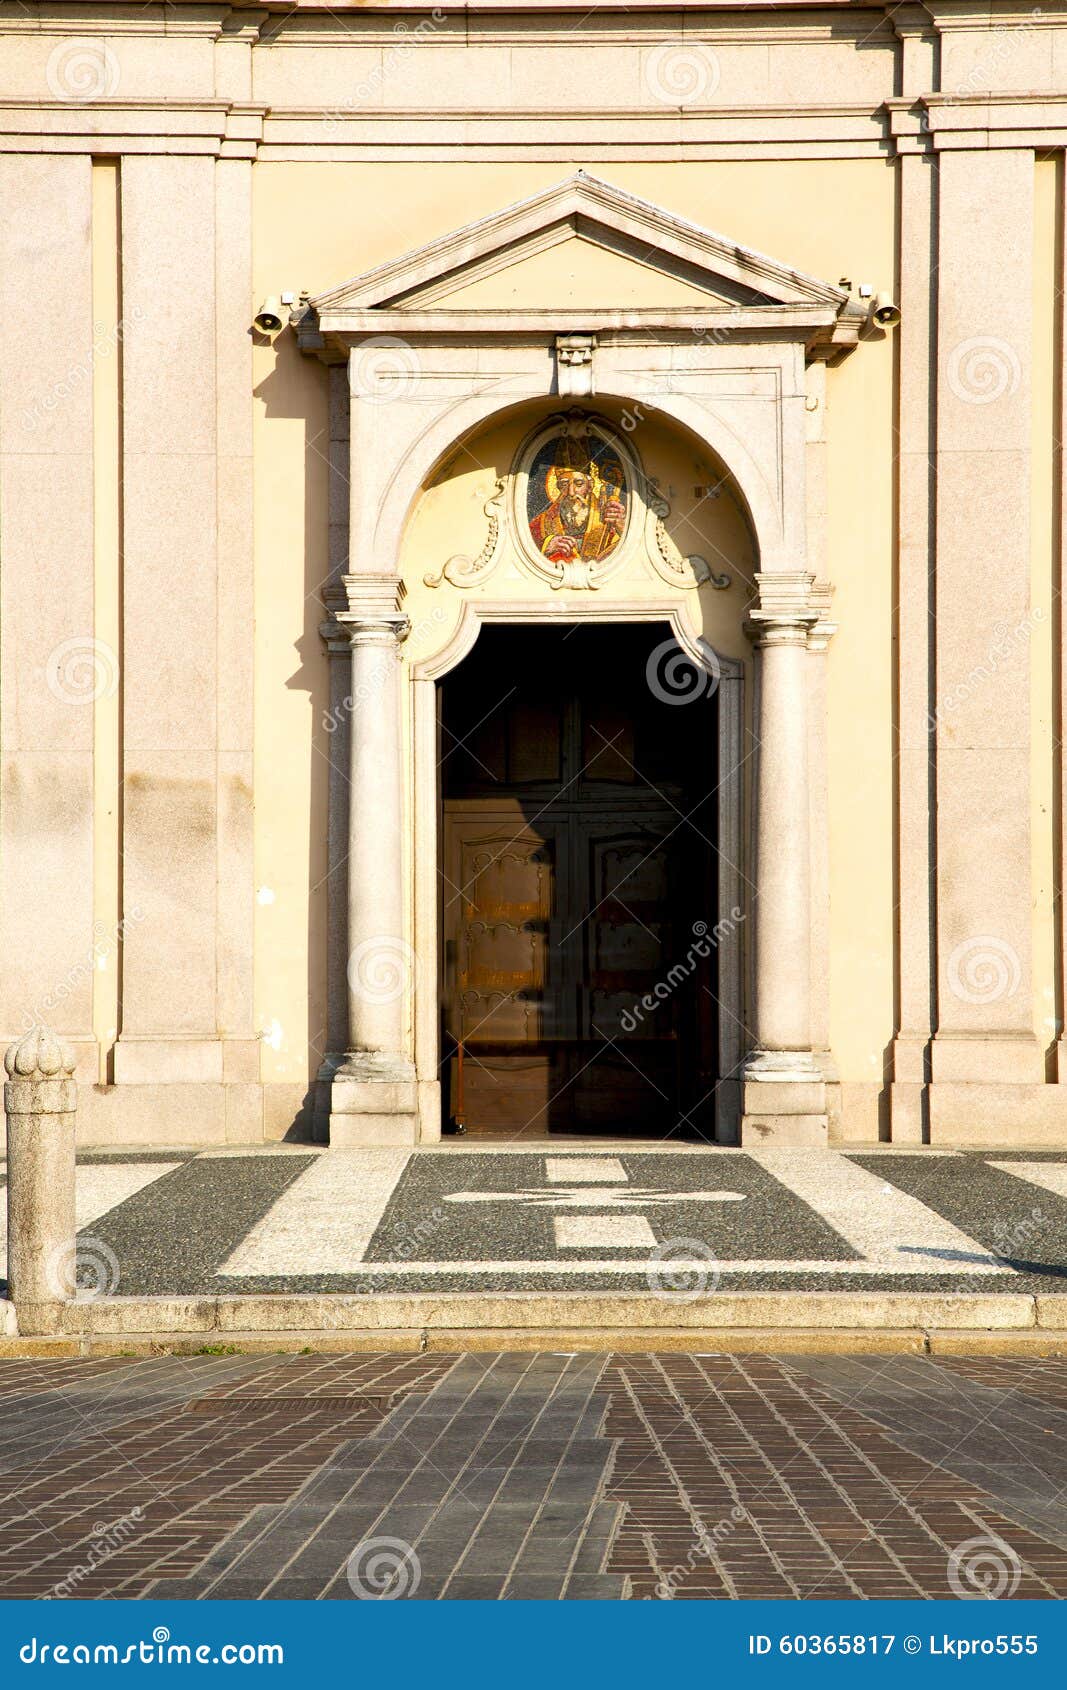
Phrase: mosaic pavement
(299, 1219)
(576, 1477)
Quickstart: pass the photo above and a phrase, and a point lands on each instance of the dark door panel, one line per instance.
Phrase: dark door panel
(575, 865)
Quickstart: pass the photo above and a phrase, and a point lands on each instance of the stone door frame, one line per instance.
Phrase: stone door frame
(730, 841)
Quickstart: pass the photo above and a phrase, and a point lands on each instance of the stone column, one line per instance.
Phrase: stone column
(373, 1093)
(40, 1099)
(784, 1091)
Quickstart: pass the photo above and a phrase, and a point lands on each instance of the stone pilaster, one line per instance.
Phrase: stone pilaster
(982, 709)
(52, 666)
(170, 771)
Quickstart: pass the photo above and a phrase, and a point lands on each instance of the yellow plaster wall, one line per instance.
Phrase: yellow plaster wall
(315, 226)
(291, 701)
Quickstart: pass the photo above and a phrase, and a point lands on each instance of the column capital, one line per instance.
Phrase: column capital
(363, 610)
(790, 605)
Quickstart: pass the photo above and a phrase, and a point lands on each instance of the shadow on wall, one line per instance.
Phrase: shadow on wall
(292, 762)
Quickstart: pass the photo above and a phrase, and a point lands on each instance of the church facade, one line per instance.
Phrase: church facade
(531, 551)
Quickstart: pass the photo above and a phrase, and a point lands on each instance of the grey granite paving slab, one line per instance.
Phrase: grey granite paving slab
(449, 1484)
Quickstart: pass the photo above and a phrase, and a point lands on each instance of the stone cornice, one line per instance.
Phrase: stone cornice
(930, 122)
(221, 128)
(944, 122)
(949, 15)
(187, 9)
(198, 18)
(300, 22)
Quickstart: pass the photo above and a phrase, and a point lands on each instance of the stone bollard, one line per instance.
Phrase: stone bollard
(40, 1099)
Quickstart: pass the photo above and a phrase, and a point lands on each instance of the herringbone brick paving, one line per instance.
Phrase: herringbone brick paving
(676, 1476)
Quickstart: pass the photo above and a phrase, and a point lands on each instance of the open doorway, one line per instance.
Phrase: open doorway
(579, 990)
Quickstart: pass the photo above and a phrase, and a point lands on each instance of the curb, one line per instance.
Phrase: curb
(795, 1340)
(755, 1322)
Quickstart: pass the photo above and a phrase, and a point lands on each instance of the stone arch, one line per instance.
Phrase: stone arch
(437, 440)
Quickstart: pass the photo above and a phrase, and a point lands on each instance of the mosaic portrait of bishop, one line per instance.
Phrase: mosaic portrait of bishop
(580, 489)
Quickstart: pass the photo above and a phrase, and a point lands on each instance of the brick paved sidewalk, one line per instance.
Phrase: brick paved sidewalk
(533, 1475)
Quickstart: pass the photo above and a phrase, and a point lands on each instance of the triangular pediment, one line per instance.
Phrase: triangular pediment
(578, 246)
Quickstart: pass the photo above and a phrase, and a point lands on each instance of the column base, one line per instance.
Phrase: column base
(783, 1101)
(39, 1320)
(373, 1101)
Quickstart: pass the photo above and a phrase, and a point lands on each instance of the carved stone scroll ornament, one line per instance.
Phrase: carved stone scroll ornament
(462, 570)
(667, 559)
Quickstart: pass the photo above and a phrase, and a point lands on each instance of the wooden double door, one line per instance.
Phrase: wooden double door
(578, 899)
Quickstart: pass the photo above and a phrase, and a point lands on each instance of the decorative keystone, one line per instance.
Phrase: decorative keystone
(574, 365)
(40, 1069)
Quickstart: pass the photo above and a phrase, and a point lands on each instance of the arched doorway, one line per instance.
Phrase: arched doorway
(579, 875)
(447, 532)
